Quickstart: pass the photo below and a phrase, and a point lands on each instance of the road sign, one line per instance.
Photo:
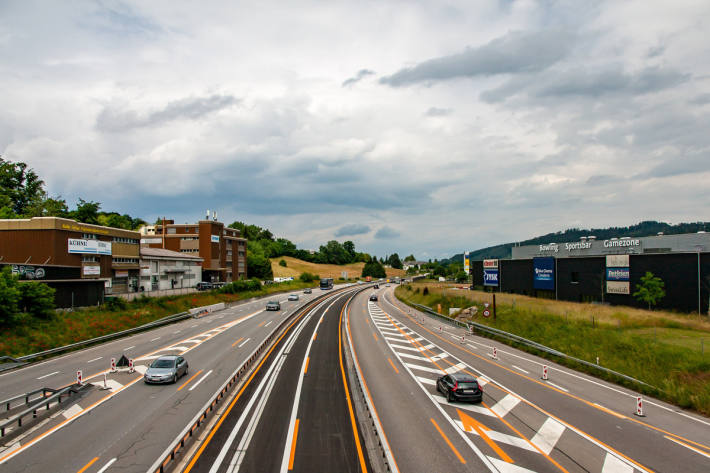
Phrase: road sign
(486, 313)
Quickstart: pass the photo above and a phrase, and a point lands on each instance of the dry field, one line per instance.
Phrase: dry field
(294, 268)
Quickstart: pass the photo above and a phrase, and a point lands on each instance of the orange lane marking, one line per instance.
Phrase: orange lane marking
(353, 422)
(314, 336)
(262, 323)
(696, 450)
(240, 339)
(451, 445)
(470, 425)
(188, 381)
(393, 366)
(88, 465)
(374, 335)
(305, 370)
(293, 446)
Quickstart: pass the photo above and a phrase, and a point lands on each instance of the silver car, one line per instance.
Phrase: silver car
(166, 369)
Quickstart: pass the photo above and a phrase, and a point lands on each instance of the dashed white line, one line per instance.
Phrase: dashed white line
(520, 369)
(95, 359)
(176, 331)
(110, 462)
(154, 339)
(200, 380)
(243, 343)
(558, 386)
(47, 375)
(126, 349)
(266, 325)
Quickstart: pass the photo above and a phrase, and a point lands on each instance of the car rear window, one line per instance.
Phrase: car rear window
(468, 385)
(162, 364)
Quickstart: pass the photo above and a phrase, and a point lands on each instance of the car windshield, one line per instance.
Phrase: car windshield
(468, 385)
(162, 364)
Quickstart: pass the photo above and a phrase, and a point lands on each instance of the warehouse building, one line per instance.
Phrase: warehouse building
(606, 271)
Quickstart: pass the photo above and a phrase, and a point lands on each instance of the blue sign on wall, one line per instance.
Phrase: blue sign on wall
(490, 277)
(544, 273)
(617, 274)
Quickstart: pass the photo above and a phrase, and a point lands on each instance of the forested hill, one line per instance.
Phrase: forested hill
(648, 228)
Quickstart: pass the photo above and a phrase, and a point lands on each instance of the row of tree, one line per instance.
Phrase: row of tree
(19, 300)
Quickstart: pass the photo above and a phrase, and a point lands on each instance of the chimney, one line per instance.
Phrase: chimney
(208, 214)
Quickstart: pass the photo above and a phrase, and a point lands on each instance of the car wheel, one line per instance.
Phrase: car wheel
(449, 397)
(175, 378)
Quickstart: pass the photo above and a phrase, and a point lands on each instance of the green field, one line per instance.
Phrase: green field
(667, 350)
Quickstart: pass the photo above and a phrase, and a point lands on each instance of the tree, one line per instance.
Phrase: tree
(651, 290)
(394, 261)
(21, 185)
(282, 263)
(86, 212)
(9, 297)
(409, 258)
(36, 299)
(373, 269)
(461, 277)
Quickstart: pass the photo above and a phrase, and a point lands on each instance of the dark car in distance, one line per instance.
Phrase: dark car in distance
(307, 290)
(459, 387)
(373, 297)
(376, 286)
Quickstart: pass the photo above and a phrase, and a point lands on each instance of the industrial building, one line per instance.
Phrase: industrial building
(606, 271)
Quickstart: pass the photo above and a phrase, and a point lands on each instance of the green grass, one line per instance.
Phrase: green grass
(662, 352)
(64, 328)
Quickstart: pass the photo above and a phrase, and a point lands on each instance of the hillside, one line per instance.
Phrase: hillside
(295, 267)
(647, 228)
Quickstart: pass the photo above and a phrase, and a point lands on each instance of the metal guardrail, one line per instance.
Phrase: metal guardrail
(23, 360)
(56, 396)
(524, 341)
(8, 402)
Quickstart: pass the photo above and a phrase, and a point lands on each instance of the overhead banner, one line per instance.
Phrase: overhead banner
(617, 287)
(89, 247)
(490, 277)
(490, 263)
(617, 261)
(465, 262)
(617, 274)
(544, 273)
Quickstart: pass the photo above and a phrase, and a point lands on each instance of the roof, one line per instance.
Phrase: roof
(163, 253)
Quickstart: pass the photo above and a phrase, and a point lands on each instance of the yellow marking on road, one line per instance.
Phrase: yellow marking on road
(305, 370)
(470, 424)
(88, 465)
(374, 335)
(188, 381)
(240, 339)
(451, 445)
(393, 366)
(314, 336)
(293, 446)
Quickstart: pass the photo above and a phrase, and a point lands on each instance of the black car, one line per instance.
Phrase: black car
(204, 286)
(377, 286)
(373, 297)
(459, 387)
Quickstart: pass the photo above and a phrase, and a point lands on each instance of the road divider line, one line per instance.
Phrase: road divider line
(240, 339)
(126, 349)
(154, 339)
(48, 375)
(305, 369)
(88, 465)
(110, 462)
(188, 381)
(520, 369)
(200, 380)
(268, 323)
(448, 442)
(393, 366)
(244, 343)
(558, 386)
(95, 359)
(293, 446)
(696, 450)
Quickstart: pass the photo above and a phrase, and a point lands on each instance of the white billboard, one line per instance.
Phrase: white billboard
(617, 261)
(89, 247)
(91, 270)
(490, 263)
(618, 287)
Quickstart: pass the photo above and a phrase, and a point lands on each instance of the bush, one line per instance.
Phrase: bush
(282, 263)
(36, 299)
(308, 277)
(9, 297)
(114, 303)
(425, 292)
(241, 285)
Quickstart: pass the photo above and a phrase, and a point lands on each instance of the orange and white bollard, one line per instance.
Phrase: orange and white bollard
(113, 365)
(495, 353)
(463, 340)
(544, 372)
(79, 378)
(131, 368)
(639, 406)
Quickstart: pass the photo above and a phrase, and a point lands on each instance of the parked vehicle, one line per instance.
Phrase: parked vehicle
(204, 286)
(165, 369)
(460, 387)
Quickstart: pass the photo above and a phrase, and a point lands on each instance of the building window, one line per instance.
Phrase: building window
(89, 259)
(172, 231)
(90, 236)
(574, 278)
(131, 241)
(125, 260)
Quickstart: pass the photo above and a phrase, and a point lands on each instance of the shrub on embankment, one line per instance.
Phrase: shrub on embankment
(666, 350)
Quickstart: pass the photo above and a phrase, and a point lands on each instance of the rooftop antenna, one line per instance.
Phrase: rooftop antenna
(214, 215)
(208, 214)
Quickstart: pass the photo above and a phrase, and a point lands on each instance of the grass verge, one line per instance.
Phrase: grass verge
(666, 350)
(64, 328)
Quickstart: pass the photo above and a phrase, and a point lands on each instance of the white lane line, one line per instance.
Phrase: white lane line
(47, 375)
(423, 368)
(687, 446)
(466, 407)
(502, 438)
(243, 343)
(266, 325)
(520, 369)
(126, 349)
(200, 380)
(71, 411)
(426, 381)
(154, 339)
(505, 467)
(471, 346)
(613, 465)
(547, 436)
(193, 326)
(557, 386)
(505, 405)
(95, 359)
(413, 357)
(456, 368)
(110, 462)
(176, 331)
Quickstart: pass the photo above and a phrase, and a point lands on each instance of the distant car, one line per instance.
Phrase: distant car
(273, 305)
(307, 290)
(376, 286)
(166, 369)
(387, 285)
(460, 387)
(373, 297)
(293, 297)
(204, 286)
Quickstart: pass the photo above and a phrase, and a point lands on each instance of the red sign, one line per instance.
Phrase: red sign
(486, 313)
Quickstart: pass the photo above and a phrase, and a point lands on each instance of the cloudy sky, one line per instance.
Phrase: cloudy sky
(425, 127)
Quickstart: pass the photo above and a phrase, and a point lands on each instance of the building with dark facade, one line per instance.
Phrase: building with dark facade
(223, 251)
(81, 262)
(606, 271)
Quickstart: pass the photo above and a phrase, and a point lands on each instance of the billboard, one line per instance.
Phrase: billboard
(617, 261)
(617, 287)
(490, 277)
(88, 247)
(214, 238)
(490, 263)
(544, 273)
(617, 274)
(465, 262)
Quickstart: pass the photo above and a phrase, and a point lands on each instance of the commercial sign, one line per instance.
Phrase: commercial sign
(465, 262)
(617, 274)
(91, 270)
(149, 241)
(490, 263)
(614, 243)
(617, 287)
(89, 247)
(490, 277)
(617, 261)
(214, 238)
(121, 274)
(544, 273)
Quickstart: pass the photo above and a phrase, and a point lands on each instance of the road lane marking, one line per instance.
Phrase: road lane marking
(88, 465)
(154, 339)
(423, 368)
(200, 380)
(609, 411)
(425, 380)
(456, 368)
(393, 366)
(240, 339)
(374, 335)
(469, 424)
(451, 445)
(110, 462)
(244, 343)
(558, 386)
(262, 323)
(305, 369)
(314, 336)
(269, 323)
(126, 349)
(471, 346)
(520, 369)
(688, 446)
(91, 361)
(48, 375)
(188, 381)
(71, 411)
(548, 434)
(505, 405)
(613, 465)
(293, 446)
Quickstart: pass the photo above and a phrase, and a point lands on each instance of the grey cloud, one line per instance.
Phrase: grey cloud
(361, 74)
(602, 179)
(115, 120)
(352, 229)
(517, 52)
(438, 112)
(674, 165)
(386, 232)
(701, 99)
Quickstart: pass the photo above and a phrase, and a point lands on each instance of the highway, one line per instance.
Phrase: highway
(302, 407)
